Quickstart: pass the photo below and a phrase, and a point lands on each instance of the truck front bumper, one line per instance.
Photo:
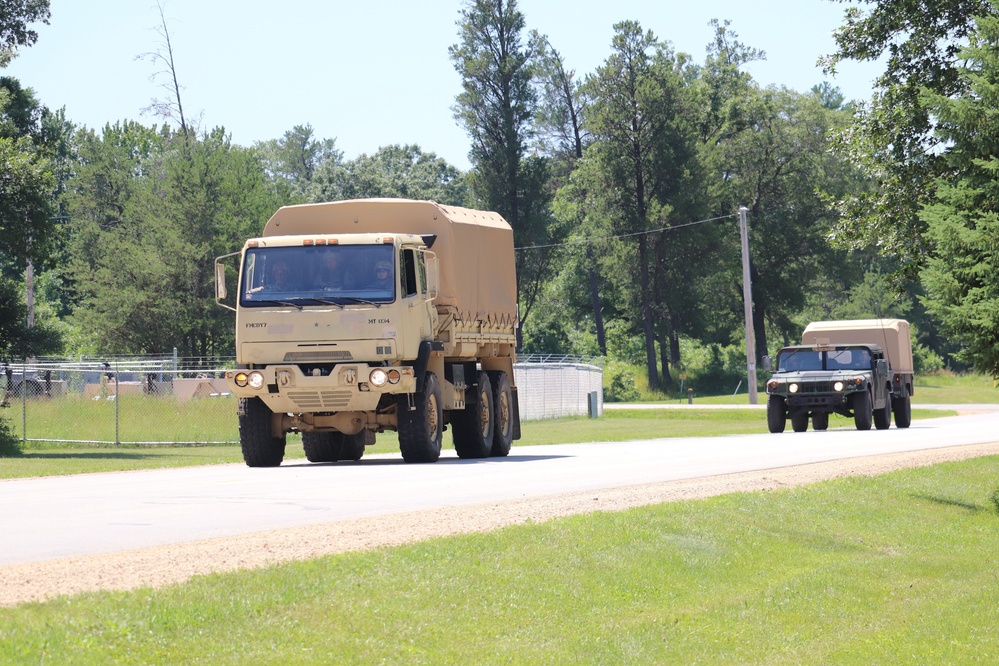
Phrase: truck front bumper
(352, 387)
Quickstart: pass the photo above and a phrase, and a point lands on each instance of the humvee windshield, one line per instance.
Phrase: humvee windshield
(797, 360)
(318, 275)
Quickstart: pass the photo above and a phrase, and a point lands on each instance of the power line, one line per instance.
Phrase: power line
(629, 235)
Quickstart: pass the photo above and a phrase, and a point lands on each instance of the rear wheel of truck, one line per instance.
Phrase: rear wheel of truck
(420, 429)
(503, 414)
(863, 414)
(882, 417)
(473, 426)
(322, 447)
(776, 414)
(820, 421)
(260, 448)
(799, 421)
(903, 411)
(352, 447)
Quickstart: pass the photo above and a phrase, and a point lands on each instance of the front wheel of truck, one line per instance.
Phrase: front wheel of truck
(260, 447)
(503, 414)
(420, 429)
(863, 412)
(776, 414)
(882, 417)
(472, 427)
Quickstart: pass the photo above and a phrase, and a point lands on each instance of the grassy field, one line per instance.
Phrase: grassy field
(899, 568)
(48, 459)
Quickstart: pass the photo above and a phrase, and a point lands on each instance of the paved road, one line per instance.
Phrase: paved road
(98, 513)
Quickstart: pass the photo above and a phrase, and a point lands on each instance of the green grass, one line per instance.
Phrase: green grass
(900, 568)
(49, 459)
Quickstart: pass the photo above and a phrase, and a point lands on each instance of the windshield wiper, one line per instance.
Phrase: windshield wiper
(326, 301)
(290, 304)
(354, 299)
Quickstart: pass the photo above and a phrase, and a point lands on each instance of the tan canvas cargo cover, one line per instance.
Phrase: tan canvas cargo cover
(474, 248)
(892, 335)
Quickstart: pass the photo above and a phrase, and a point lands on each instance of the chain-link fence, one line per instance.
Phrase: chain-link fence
(186, 401)
(551, 386)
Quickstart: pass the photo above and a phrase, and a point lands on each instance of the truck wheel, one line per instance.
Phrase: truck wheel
(473, 426)
(882, 417)
(776, 414)
(352, 447)
(799, 421)
(420, 430)
(322, 447)
(863, 414)
(903, 411)
(820, 421)
(260, 448)
(503, 414)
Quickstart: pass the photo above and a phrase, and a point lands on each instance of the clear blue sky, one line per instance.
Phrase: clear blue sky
(373, 73)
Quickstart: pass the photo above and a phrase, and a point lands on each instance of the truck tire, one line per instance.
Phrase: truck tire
(322, 447)
(776, 414)
(260, 448)
(503, 414)
(863, 414)
(882, 417)
(352, 447)
(799, 421)
(420, 430)
(903, 411)
(820, 421)
(473, 426)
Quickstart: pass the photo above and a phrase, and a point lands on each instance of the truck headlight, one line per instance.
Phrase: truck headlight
(838, 386)
(792, 388)
(255, 380)
(378, 377)
(240, 379)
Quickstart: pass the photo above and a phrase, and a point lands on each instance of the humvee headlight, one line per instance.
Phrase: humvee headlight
(378, 377)
(394, 376)
(240, 379)
(838, 386)
(772, 385)
(255, 380)
(792, 388)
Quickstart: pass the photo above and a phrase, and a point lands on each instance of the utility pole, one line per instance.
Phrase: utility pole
(747, 297)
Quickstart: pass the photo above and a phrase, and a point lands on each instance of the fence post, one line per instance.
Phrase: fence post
(24, 402)
(117, 399)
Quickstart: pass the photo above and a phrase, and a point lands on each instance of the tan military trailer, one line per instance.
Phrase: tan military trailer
(357, 317)
(858, 368)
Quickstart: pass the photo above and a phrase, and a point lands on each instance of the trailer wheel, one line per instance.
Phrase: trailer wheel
(260, 448)
(503, 411)
(863, 413)
(322, 447)
(820, 421)
(903, 411)
(420, 429)
(776, 414)
(799, 421)
(882, 417)
(473, 426)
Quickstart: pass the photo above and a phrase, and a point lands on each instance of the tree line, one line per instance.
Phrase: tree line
(622, 186)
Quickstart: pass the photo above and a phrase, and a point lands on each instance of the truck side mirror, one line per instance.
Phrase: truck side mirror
(220, 292)
(882, 366)
(433, 276)
(768, 364)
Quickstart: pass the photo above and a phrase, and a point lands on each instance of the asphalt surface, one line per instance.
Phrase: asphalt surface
(58, 517)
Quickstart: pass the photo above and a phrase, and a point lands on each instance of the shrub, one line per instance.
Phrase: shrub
(10, 445)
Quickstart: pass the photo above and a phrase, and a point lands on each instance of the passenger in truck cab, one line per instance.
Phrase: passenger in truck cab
(383, 276)
(281, 279)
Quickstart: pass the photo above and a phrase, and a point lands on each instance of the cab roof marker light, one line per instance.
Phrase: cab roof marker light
(307, 241)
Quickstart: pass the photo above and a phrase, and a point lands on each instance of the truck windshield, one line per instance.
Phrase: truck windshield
(318, 275)
(797, 360)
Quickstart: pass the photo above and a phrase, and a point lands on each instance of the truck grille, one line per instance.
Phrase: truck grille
(320, 401)
(301, 357)
(816, 387)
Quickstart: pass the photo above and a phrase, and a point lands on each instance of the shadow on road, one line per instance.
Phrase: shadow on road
(383, 462)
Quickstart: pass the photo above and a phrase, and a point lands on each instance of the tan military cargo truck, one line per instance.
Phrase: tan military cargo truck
(857, 368)
(357, 317)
